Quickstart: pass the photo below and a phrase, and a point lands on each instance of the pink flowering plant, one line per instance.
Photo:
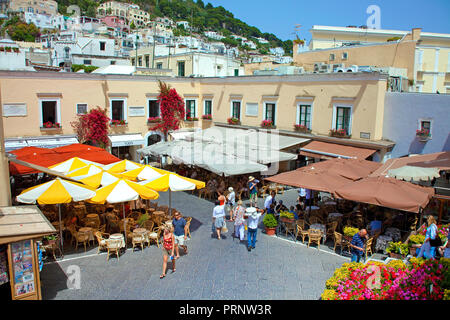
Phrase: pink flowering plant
(338, 132)
(267, 124)
(153, 119)
(442, 231)
(419, 280)
(50, 124)
(423, 132)
(207, 117)
(301, 128)
(233, 120)
(118, 122)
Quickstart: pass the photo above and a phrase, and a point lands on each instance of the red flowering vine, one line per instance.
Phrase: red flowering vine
(172, 109)
(92, 127)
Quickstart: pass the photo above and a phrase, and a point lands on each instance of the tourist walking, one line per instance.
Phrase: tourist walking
(253, 190)
(252, 227)
(239, 221)
(168, 249)
(231, 198)
(218, 219)
(180, 233)
(427, 250)
(357, 245)
(270, 199)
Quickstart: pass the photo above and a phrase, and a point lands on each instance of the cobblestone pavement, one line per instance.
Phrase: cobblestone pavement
(213, 269)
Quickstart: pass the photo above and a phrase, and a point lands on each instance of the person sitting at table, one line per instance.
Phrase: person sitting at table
(280, 207)
(375, 225)
(293, 211)
(444, 250)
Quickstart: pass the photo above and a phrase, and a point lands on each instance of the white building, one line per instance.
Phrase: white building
(45, 21)
(12, 57)
(249, 43)
(185, 24)
(262, 40)
(277, 51)
(213, 35)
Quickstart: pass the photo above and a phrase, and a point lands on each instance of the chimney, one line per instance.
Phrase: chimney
(416, 33)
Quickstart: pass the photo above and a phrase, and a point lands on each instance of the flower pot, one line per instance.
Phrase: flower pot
(287, 220)
(270, 231)
(395, 255)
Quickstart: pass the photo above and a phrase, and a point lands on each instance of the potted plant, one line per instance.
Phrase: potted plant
(397, 250)
(415, 241)
(340, 133)
(287, 217)
(270, 223)
(2, 49)
(8, 49)
(118, 122)
(423, 134)
(349, 232)
(207, 117)
(153, 119)
(192, 119)
(51, 239)
(51, 125)
(301, 128)
(233, 121)
(267, 124)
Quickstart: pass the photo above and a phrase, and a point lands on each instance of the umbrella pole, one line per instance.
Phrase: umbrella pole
(170, 201)
(124, 222)
(420, 221)
(60, 231)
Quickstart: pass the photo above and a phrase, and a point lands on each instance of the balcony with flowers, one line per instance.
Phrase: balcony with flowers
(118, 126)
(267, 124)
(339, 133)
(50, 126)
(234, 121)
(301, 128)
(423, 135)
(207, 117)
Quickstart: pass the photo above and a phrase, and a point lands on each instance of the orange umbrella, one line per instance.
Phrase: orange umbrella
(387, 192)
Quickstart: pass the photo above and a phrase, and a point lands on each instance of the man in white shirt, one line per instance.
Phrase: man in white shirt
(269, 200)
(252, 227)
(231, 198)
(218, 218)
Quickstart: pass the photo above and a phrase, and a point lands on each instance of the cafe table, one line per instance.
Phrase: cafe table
(321, 227)
(89, 231)
(118, 236)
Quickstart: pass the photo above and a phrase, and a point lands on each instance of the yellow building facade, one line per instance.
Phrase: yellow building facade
(321, 102)
(426, 55)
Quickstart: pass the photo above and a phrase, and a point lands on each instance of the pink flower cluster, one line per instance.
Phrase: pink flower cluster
(172, 109)
(266, 123)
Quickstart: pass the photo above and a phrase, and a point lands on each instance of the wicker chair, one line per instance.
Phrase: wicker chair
(314, 236)
(340, 241)
(101, 239)
(314, 219)
(149, 224)
(138, 239)
(368, 247)
(301, 231)
(113, 247)
(155, 235)
(81, 237)
(331, 228)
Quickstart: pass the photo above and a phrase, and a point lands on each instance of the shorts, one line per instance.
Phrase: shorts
(220, 222)
(254, 197)
(166, 252)
(179, 240)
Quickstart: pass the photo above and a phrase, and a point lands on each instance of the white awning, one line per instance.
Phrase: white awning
(122, 140)
(11, 145)
(51, 141)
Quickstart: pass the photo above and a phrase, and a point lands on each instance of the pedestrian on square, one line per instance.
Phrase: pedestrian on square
(239, 221)
(357, 245)
(180, 233)
(301, 195)
(168, 249)
(427, 250)
(252, 227)
(270, 199)
(231, 198)
(218, 218)
(253, 190)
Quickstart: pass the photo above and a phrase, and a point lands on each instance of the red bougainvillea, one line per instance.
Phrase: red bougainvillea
(172, 109)
(92, 127)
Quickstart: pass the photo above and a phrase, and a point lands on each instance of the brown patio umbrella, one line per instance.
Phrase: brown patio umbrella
(387, 192)
(353, 169)
(311, 178)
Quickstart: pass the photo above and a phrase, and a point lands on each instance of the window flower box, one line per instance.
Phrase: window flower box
(118, 123)
(235, 121)
(339, 133)
(191, 119)
(151, 120)
(207, 117)
(268, 124)
(301, 128)
(51, 126)
(423, 135)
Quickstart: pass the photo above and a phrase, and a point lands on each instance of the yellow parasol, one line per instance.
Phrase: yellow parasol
(121, 166)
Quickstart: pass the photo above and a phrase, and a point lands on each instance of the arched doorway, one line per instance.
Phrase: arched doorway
(151, 138)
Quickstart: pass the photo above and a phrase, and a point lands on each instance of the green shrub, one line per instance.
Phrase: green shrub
(350, 231)
(270, 221)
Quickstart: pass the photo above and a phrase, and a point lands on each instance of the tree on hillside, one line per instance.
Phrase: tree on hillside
(20, 31)
(172, 109)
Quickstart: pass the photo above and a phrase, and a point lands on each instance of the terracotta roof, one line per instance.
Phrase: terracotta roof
(327, 150)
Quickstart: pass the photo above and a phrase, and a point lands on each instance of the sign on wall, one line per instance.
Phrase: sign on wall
(14, 109)
(251, 109)
(136, 111)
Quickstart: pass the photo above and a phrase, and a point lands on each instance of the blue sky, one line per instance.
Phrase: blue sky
(280, 17)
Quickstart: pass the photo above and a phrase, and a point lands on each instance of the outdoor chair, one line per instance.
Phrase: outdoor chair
(81, 237)
(340, 241)
(279, 189)
(290, 227)
(314, 236)
(113, 247)
(154, 236)
(302, 232)
(148, 224)
(202, 192)
(331, 228)
(101, 240)
(138, 239)
(314, 219)
(73, 233)
(53, 247)
(263, 191)
(368, 247)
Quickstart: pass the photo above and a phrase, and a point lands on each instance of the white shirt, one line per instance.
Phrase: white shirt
(253, 222)
(231, 197)
(219, 211)
(302, 192)
(268, 202)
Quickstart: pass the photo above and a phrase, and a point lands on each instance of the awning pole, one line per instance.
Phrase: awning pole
(60, 231)
(124, 223)
(421, 216)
